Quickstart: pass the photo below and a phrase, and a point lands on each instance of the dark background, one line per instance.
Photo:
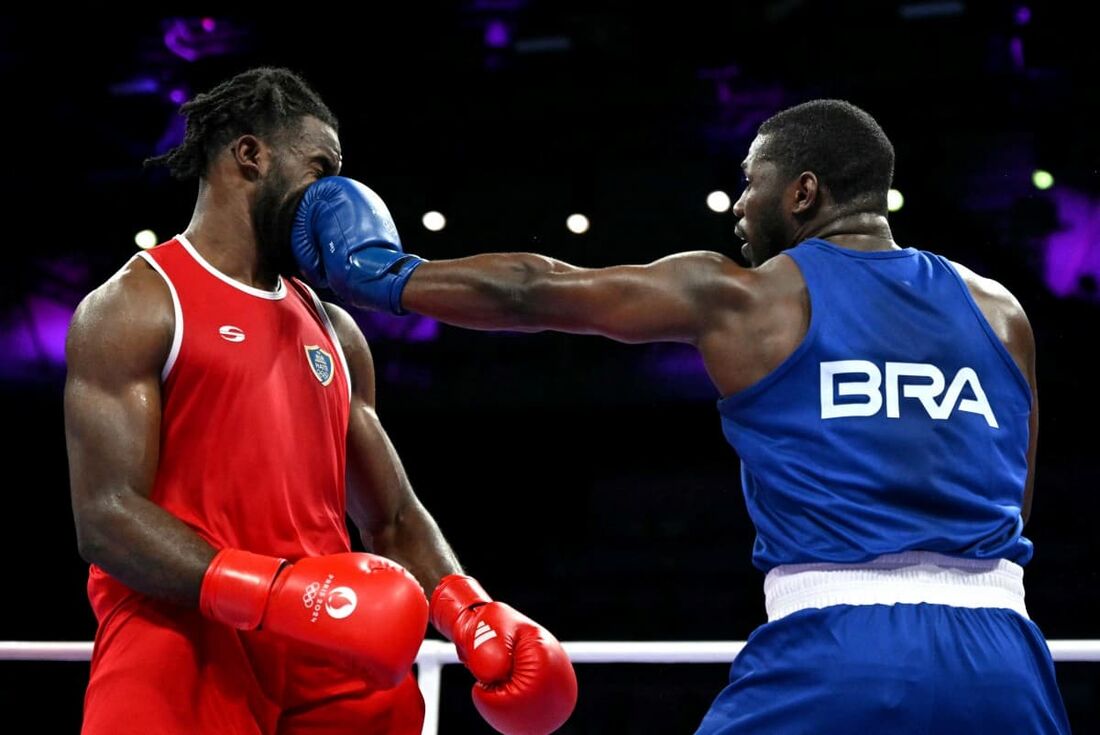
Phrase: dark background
(584, 482)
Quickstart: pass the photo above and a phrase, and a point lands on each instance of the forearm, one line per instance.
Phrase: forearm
(490, 291)
(145, 547)
(413, 540)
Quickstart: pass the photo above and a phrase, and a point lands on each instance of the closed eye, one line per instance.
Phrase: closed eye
(325, 166)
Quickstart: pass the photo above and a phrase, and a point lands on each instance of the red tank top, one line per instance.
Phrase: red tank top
(254, 415)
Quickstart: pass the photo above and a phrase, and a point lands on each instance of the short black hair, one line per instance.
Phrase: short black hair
(262, 101)
(839, 142)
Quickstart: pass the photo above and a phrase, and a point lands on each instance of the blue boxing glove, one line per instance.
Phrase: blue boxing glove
(345, 239)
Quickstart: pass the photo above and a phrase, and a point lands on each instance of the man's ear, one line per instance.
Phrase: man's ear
(807, 192)
(248, 153)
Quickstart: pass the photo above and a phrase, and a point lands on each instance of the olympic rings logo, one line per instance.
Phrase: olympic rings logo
(310, 595)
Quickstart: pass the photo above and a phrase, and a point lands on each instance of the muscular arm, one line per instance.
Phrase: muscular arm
(117, 343)
(1011, 325)
(1033, 426)
(391, 520)
(1021, 344)
(663, 301)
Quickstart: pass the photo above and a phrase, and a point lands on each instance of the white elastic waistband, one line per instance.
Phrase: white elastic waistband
(911, 577)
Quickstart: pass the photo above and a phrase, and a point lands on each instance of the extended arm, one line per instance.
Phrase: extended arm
(344, 238)
(666, 300)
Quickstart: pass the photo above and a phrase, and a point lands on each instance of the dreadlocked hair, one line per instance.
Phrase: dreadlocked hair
(263, 101)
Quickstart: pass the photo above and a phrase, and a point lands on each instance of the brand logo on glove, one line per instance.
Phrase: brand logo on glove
(341, 602)
(320, 362)
(483, 633)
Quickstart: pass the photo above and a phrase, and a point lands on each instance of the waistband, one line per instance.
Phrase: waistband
(911, 577)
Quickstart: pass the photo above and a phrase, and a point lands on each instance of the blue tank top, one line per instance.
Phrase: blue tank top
(899, 423)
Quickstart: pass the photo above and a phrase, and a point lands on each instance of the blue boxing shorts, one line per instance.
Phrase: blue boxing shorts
(908, 644)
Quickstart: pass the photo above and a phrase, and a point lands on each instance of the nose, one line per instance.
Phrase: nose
(739, 206)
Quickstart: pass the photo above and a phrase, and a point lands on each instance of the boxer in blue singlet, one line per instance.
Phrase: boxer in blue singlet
(882, 401)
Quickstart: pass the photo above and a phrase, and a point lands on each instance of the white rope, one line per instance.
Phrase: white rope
(435, 654)
(581, 652)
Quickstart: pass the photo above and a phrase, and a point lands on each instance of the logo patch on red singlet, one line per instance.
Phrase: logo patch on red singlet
(320, 362)
(231, 334)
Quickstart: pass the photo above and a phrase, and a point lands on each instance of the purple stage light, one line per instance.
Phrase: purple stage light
(1023, 15)
(173, 134)
(137, 85)
(1072, 254)
(194, 38)
(497, 34)
(32, 333)
(411, 328)
(178, 96)
(678, 370)
(33, 336)
(1016, 47)
(176, 38)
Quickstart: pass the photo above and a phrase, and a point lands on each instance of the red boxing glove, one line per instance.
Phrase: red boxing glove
(362, 610)
(525, 682)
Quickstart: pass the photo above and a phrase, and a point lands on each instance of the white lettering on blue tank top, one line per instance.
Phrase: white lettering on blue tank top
(871, 386)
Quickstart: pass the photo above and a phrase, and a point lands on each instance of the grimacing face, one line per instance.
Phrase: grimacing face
(307, 154)
(761, 222)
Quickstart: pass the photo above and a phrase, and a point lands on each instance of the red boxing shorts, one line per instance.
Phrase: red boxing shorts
(159, 668)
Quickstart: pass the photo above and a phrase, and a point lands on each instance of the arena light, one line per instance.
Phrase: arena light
(497, 34)
(1043, 180)
(719, 201)
(434, 221)
(894, 200)
(577, 224)
(145, 239)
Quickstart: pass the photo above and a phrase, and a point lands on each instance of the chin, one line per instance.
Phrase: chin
(746, 252)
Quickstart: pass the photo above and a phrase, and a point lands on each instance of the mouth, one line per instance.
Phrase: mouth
(745, 250)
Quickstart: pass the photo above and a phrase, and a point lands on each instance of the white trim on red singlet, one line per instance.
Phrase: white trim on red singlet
(278, 293)
(177, 336)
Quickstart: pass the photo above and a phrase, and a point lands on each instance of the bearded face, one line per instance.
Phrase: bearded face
(272, 218)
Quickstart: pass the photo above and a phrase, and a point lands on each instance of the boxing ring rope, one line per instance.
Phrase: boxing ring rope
(434, 655)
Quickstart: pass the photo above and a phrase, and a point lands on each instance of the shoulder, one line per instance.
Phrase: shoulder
(347, 331)
(987, 288)
(991, 296)
(717, 277)
(134, 299)
(356, 350)
(1002, 310)
(132, 309)
(705, 264)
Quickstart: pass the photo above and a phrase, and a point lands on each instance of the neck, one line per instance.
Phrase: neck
(858, 231)
(222, 232)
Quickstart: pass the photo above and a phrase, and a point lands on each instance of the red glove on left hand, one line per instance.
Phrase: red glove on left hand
(525, 682)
